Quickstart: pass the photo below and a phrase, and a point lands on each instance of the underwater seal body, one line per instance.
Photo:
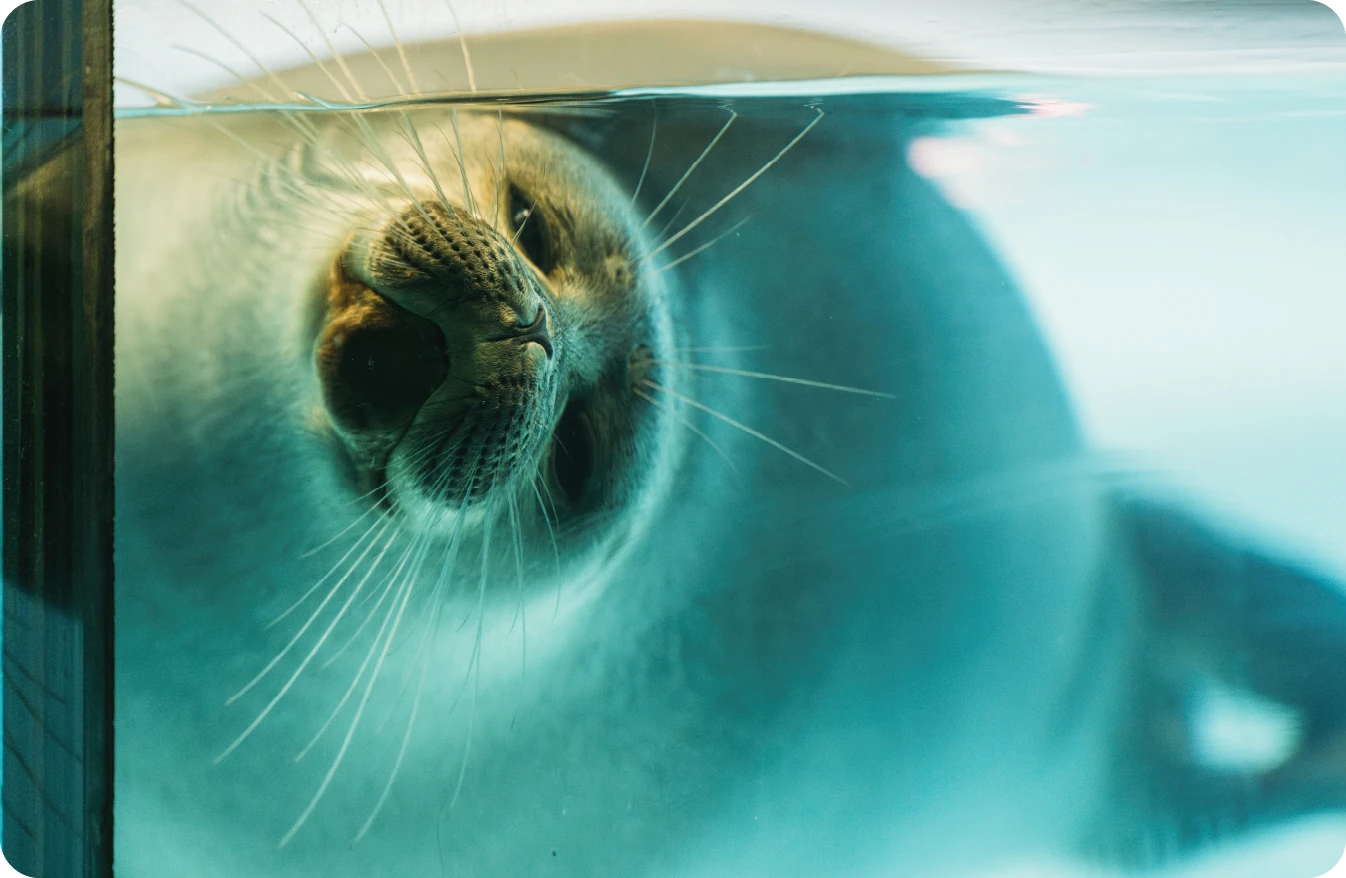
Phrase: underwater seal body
(730, 664)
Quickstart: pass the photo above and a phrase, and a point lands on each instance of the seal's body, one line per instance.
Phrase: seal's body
(734, 664)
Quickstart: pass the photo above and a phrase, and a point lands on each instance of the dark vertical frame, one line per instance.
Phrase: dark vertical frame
(58, 439)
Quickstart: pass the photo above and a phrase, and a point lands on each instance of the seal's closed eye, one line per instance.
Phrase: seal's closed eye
(530, 232)
(573, 453)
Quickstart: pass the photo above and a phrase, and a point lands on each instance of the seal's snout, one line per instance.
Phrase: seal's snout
(450, 266)
(440, 344)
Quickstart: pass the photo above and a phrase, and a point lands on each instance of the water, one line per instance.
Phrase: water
(1175, 238)
(1174, 242)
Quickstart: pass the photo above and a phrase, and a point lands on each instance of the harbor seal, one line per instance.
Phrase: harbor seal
(455, 542)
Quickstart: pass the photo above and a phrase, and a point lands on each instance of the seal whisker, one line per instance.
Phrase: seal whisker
(649, 153)
(377, 56)
(314, 615)
(405, 592)
(392, 583)
(522, 614)
(401, 50)
(243, 80)
(311, 589)
(316, 549)
(737, 189)
(266, 711)
(474, 666)
(462, 168)
(706, 246)
(384, 589)
(743, 373)
(307, 133)
(430, 620)
(672, 221)
(426, 165)
(683, 179)
(336, 55)
(499, 171)
(677, 416)
(222, 31)
(365, 134)
(745, 428)
(555, 550)
(421, 537)
(462, 43)
(313, 56)
(406, 739)
(721, 349)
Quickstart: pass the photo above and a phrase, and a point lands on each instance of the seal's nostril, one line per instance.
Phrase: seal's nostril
(535, 331)
(378, 370)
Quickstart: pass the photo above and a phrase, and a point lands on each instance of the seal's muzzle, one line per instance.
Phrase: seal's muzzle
(439, 339)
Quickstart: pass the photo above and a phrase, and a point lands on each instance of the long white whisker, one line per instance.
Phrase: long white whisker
(392, 77)
(523, 611)
(462, 168)
(313, 56)
(683, 179)
(355, 722)
(311, 589)
(401, 751)
(706, 246)
(387, 587)
(556, 552)
(476, 666)
(737, 189)
(401, 51)
(688, 424)
(499, 172)
(721, 349)
(746, 429)
(462, 44)
(743, 373)
(313, 616)
(266, 711)
(395, 582)
(649, 153)
(336, 56)
(345, 530)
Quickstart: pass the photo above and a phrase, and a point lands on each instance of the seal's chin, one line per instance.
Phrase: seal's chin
(470, 443)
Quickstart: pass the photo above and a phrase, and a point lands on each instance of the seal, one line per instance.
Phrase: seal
(465, 529)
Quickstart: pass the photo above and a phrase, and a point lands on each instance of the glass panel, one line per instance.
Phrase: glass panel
(58, 434)
(834, 443)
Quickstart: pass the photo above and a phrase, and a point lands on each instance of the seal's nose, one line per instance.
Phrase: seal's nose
(438, 264)
(536, 332)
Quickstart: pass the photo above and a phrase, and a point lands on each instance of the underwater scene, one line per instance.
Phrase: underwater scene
(934, 473)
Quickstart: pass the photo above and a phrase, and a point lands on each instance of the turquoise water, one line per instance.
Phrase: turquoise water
(1178, 241)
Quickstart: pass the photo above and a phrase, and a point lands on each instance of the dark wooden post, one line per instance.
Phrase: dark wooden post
(58, 438)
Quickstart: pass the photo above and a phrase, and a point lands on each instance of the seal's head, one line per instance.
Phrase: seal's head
(484, 335)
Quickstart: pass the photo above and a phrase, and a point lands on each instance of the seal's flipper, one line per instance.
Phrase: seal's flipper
(1239, 714)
